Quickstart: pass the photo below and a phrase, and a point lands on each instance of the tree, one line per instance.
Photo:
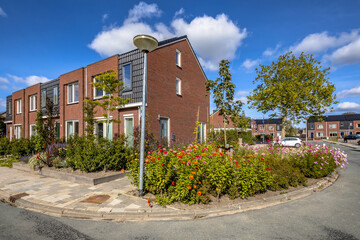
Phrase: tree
(293, 88)
(40, 133)
(89, 113)
(110, 84)
(223, 90)
(49, 123)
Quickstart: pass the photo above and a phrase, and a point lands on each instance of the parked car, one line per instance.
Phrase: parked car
(352, 137)
(289, 142)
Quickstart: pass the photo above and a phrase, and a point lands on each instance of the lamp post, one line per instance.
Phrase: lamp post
(144, 43)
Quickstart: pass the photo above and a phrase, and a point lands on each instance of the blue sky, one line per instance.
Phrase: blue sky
(42, 39)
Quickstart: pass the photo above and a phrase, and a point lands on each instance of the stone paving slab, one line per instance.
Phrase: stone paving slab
(64, 198)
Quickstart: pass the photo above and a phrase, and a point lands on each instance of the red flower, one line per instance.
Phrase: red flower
(159, 145)
(173, 183)
(161, 150)
(268, 169)
(195, 186)
(169, 163)
(189, 187)
(198, 193)
(165, 152)
(158, 157)
(162, 164)
(149, 202)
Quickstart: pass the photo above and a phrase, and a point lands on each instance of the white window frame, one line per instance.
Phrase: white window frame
(333, 125)
(178, 86)
(261, 128)
(319, 134)
(128, 116)
(271, 127)
(56, 95)
(18, 106)
(204, 133)
(178, 58)
(130, 77)
(66, 127)
(18, 130)
(320, 126)
(98, 119)
(32, 103)
(168, 126)
(71, 93)
(43, 98)
(30, 130)
(94, 91)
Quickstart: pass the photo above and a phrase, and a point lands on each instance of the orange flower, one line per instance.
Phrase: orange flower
(214, 153)
(199, 182)
(221, 153)
(195, 186)
(191, 177)
(122, 170)
(189, 187)
(198, 193)
(193, 173)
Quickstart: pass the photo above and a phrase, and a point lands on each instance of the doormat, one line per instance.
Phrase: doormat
(98, 199)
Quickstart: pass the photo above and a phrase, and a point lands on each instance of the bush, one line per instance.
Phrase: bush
(88, 155)
(217, 137)
(21, 147)
(4, 146)
(247, 137)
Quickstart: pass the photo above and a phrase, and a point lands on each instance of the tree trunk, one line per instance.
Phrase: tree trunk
(283, 127)
(225, 132)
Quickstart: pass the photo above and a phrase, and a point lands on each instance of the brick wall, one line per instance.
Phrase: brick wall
(30, 116)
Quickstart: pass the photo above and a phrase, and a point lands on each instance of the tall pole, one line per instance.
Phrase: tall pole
(306, 129)
(142, 136)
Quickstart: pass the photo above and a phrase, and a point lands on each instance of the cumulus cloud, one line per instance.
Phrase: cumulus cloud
(353, 92)
(104, 17)
(322, 42)
(2, 103)
(348, 54)
(3, 83)
(2, 13)
(271, 51)
(179, 12)
(219, 34)
(241, 95)
(250, 63)
(30, 80)
(348, 107)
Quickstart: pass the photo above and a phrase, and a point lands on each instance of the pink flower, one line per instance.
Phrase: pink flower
(316, 162)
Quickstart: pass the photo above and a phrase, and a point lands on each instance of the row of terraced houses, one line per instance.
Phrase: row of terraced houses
(175, 95)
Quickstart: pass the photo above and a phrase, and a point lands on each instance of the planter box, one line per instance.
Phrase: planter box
(69, 176)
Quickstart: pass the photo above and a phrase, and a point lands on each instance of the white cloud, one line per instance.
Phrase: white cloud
(348, 106)
(250, 63)
(143, 10)
(3, 83)
(30, 80)
(213, 39)
(104, 17)
(348, 54)
(353, 92)
(179, 12)
(271, 51)
(2, 103)
(322, 42)
(2, 13)
(242, 93)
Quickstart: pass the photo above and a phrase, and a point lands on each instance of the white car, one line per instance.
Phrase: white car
(289, 142)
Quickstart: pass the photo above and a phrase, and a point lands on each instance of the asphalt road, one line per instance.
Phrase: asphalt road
(333, 213)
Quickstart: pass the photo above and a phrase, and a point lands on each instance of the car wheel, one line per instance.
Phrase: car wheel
(297, 145)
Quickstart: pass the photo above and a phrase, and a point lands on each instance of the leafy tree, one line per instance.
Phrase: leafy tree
(223, 90)
(89, 113)
(348, 113)
(2, 125)
(40, 133)
(293, 88)
(49, 123)
(110, 84)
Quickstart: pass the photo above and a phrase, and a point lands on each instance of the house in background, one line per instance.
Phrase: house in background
(333, 126)
(175, 94)
(266, 127)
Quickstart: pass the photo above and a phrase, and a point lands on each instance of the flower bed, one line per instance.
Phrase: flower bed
(193, 173)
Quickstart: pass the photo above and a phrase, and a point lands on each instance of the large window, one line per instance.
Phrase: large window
(32, 131)
(164, 128)
(320, 126)
(17, 131)
(178, 86)
(10, 108)
(129, 130)
(32, 102)
(43, 98)
(72, 127)
(56, 95)
(101, 131)
(202, 132)
(358, 125)
(178, 58)
(18, 106)
(127, 77)
(333, 125)
(73, 93)
(98, 93)
(320, 134)
(333, 134)
(271, 127)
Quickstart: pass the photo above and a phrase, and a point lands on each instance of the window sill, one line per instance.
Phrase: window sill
(72, 103)
(179, 95)
(179, 66)
(33, 110)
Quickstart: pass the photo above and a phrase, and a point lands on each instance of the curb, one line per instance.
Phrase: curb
(344, 144)
(170, 214)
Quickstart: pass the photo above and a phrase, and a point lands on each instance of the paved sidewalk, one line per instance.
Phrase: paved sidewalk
(112, 200)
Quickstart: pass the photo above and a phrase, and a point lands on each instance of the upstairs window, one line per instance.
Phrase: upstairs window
(178, 58)
(178, 86)
(43, 98)
(127, 77)
(332, 125)
(271, 127)
(56, 95)
(18, 106)
(98, 93)
(320, 126)
(32, 102)
(10, 108)
(73, 93)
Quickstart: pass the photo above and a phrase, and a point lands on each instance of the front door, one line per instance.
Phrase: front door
(312, 135)
(129, 131)
(164, 128)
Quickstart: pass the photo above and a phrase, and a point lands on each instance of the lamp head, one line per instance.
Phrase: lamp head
(145, 43)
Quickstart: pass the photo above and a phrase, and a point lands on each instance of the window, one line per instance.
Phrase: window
(164, 128)
(129, 130)
(320, 134)
(10, 108)
(56, 95)
(57, 130)
(358, 125)
(202, 132)
(333, 134)
(127, 77)
(320, 126)
(98, 93)
(178, 58)
(32, 102)
(332, 125)
(178, 86)
(32, 130)
(261, 127)
(342, 134)
(18, 132)
(72, 127)
(73, 93)
(43, 98)
(312, 126)
(18, 106)
(271, 127)
(101, 131)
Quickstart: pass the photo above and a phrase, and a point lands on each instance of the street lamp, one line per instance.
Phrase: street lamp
(144, 43)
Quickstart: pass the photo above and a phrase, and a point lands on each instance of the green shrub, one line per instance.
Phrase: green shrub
(247, 137)
(4, 146)
(21, 147)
